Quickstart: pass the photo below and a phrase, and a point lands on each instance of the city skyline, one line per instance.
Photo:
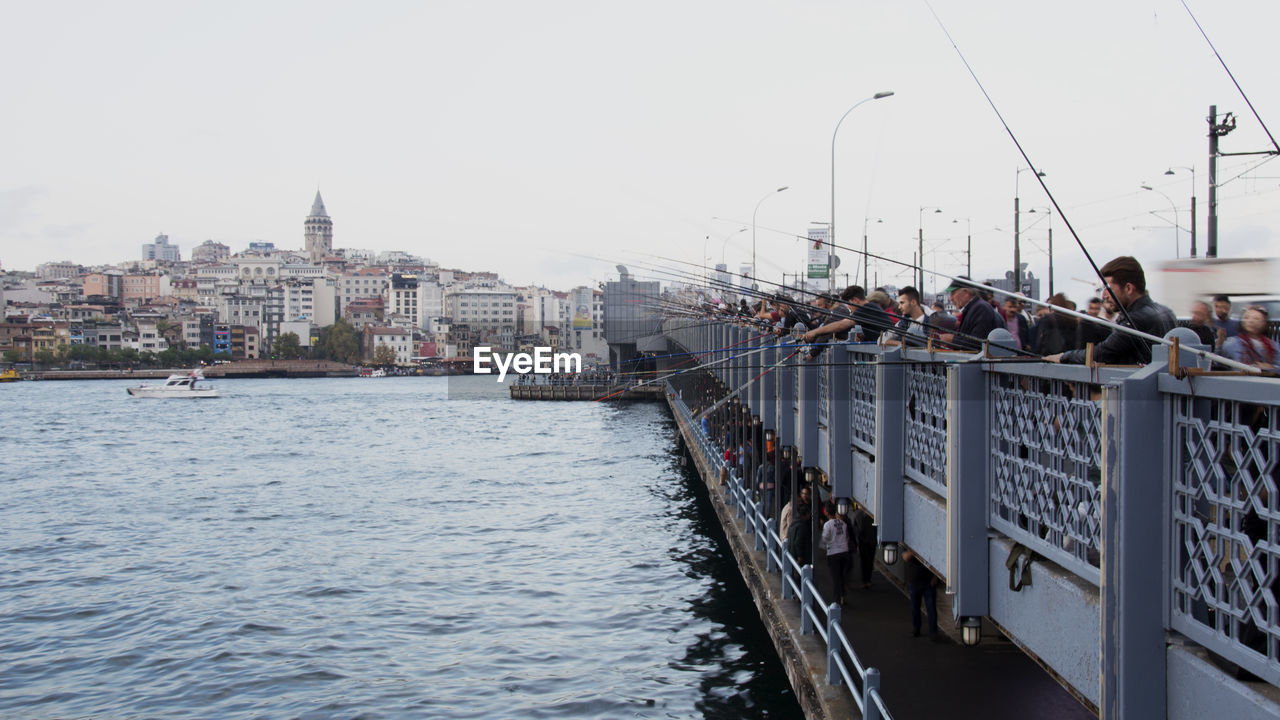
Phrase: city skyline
(549, 144)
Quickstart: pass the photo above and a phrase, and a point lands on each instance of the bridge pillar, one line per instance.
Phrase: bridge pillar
(891, 425)
(968, 499)
(1134, 505)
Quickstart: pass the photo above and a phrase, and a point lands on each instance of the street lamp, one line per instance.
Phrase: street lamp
(726, 242)
(831, 236)
(968, 247)
(1173, 208)
(920, 240)
(1017, 235)
(1170, 171)
(866, 277)
(753, 232)
(1049, 213)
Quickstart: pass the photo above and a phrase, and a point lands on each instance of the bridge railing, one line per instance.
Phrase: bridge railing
(816, 616)
(1045, 443)
(1224, 524)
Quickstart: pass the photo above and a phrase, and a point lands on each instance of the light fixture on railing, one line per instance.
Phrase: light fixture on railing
(890, 551)
(970, 630)
(809, 475)
(786, 453)
(755, 420)
(769, 435)
(842, 506)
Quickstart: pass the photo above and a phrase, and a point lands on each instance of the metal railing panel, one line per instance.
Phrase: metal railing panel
(1225, 519)
(863, 394)
(926, 419)
(1046, 453)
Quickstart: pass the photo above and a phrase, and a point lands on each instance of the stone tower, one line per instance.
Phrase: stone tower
(319, 232)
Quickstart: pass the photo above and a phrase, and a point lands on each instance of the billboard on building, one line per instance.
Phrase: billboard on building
(581, 298)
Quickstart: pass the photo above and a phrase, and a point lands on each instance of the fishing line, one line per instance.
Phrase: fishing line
(1034, 170)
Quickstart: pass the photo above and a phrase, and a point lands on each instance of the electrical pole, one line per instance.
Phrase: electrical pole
(1212, 249)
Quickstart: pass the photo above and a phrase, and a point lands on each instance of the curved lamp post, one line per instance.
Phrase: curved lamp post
(1177, 252)
(831, 237)
(1170, 171)
(754, 284)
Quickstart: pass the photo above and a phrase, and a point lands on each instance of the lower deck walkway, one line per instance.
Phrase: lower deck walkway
(922, 679)
(919, 678)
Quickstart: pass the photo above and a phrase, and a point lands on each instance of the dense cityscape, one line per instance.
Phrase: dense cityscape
(222, 304)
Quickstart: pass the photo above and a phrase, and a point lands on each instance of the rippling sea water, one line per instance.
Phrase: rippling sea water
(362, 548)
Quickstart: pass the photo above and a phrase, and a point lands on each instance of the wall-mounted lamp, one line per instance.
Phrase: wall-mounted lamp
(890, 551)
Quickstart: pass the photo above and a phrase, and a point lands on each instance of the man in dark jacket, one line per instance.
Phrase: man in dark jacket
(800, 535)
(1128, 284)
(977, 317)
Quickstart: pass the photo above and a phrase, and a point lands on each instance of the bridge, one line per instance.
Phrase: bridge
(1121, 525)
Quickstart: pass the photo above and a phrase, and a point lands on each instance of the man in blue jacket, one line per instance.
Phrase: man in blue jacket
(977, 317)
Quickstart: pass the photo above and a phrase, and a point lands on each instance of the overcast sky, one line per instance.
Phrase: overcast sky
(529, 137)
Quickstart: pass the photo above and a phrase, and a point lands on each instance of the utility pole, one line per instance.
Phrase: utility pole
(1212, 248)
(1017, 246)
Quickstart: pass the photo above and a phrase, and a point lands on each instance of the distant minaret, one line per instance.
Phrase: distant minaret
(319, 232)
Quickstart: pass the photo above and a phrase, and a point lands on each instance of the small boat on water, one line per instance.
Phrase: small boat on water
(178, 385)
(10, 375)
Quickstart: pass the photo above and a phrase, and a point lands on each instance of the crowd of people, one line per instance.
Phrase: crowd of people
(965, 313)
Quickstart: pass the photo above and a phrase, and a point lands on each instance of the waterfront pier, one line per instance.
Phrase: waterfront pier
(1118, 525)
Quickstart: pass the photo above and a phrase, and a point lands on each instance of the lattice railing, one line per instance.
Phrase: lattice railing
(926, 420)
(1046, 464)
(862, 392)
(1225, 562)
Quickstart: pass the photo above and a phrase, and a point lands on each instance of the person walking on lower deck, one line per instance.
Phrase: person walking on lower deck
(835, 541)
(922, 585)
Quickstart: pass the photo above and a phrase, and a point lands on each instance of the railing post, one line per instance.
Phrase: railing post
(770, 529)
(833, 647)
(869, 683)
(785, 554)
(891, 424)
(758, 525)
(968, 468)
(806, 597)
(1135, 571)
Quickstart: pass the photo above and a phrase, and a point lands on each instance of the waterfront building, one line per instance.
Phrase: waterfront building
(161, 250)
(487, 311)
(400, 341)
(318, 232)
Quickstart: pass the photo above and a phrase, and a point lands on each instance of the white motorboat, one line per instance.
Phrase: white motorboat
(178, 385)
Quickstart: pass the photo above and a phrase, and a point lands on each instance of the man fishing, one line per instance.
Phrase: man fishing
(1127, 283)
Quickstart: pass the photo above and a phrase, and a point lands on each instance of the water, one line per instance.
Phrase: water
(362, 548)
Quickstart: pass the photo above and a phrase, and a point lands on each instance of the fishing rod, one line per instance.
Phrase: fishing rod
(1034, 170)
(829, 313)
(1114, 326)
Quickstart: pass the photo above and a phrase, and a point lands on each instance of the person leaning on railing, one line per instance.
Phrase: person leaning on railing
(1128, 283)
(1251, 345)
